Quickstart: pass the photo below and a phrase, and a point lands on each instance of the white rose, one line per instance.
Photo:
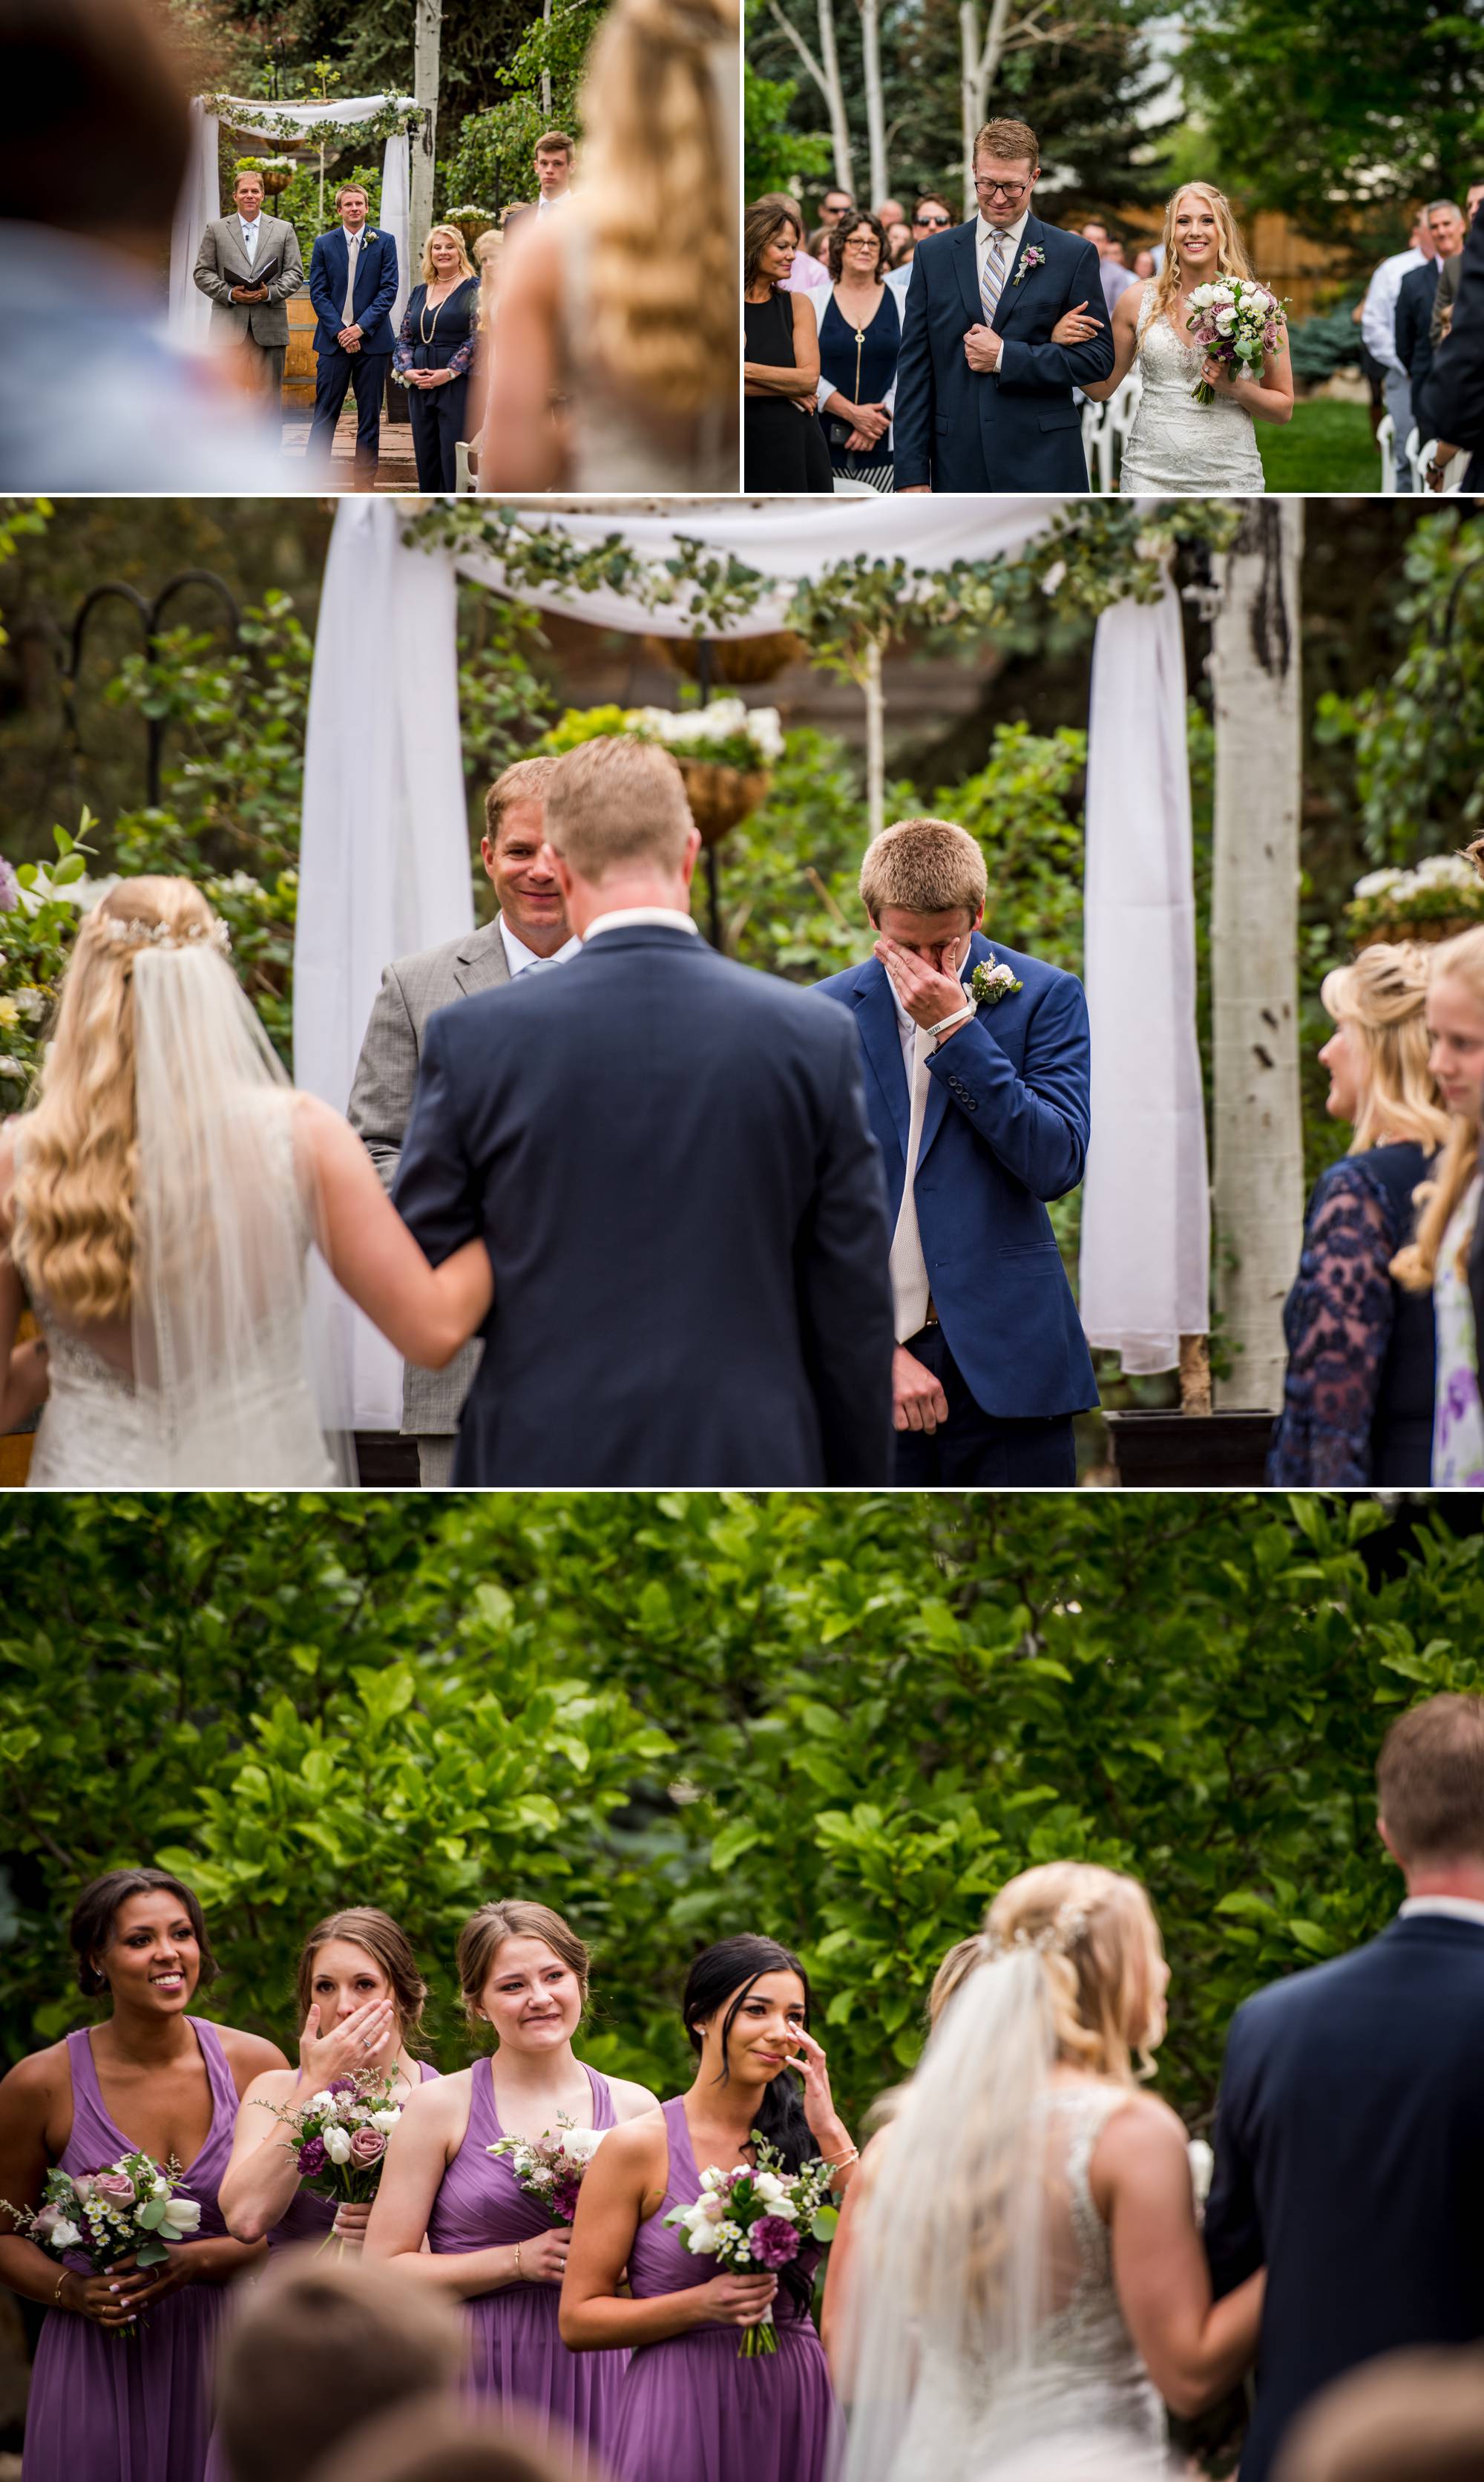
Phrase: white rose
(705, 2238)
(775, 2196)
(385, 2121)
(711, 2178)
(159, 2189)
(323, 2101)
(1225, 321)
(64, 2235)
(581, 2144)
(336, 2142)
(181, 2215)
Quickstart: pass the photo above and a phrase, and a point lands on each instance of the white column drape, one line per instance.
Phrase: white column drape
(1144, 1274)
(190, 312)
(385, 855)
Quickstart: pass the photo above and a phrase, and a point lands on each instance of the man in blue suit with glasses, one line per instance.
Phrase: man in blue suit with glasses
(353, 285)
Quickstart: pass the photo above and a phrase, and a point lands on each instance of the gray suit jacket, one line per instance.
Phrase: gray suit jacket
(222, 262)
(382, 1104)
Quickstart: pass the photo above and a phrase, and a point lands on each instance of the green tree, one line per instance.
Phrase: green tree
(778, 154)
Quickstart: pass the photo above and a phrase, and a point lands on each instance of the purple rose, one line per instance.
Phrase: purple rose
(563, 2199)
(10, 887)
(367, 2146)
(115, 2188)
(773, 2240)
(311, 2159)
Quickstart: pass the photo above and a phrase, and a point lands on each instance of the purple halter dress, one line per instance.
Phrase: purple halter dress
(516, 2355)
(692, 2410)
(117, 2409)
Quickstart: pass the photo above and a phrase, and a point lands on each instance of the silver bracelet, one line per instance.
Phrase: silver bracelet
(946, 1024)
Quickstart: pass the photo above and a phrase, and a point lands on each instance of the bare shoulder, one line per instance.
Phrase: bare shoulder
(1130, 302)
(250, 2057)
(636, 2148)
(439, 2102)
(1139, 2132)
(535, 272)
(630, 2101)
(28, 2090)
(270, 2086)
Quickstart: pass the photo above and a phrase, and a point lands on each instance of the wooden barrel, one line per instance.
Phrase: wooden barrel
(299, 363)
(15, 1445)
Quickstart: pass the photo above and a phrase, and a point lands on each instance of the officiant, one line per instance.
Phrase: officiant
(247, 266)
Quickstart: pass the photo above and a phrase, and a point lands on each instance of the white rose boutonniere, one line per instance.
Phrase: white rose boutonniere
(990, 983)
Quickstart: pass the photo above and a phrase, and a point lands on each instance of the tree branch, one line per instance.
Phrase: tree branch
(801, 47)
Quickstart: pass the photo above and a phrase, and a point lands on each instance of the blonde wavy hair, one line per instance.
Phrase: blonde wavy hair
(73, 1212)
(426, 271)
(1230, 255)
(1100, 1950)
(664, 325)
(1460, 960)
(1382, 997)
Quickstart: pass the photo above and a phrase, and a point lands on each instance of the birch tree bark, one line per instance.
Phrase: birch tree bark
(1257, 1133)
(979, 63)
(427, 37)
(824, 69)
(875, 109)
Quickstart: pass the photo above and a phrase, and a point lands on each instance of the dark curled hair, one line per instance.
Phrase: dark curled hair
(726, 1974)
(94, 1912)
(834, 247)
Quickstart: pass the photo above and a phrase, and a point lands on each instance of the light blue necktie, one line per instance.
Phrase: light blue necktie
(540, 964)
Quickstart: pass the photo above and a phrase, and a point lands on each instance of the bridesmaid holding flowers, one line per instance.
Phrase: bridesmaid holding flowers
(692, 2407)
(492, 2245)
(119, 2391)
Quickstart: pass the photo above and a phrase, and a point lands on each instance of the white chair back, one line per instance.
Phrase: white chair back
(1386, 443)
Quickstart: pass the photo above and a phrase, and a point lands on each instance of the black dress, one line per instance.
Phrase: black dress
(863, 373)
(783, 449)
(440, 339)
(1358, 1394)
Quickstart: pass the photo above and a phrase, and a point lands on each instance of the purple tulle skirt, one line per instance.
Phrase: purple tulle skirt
(518, 2360)
(106, 2410)
(690, 2410)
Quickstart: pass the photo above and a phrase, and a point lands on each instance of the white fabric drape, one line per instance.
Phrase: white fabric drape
(385, 855)
(190, 312)
(1144, 1272)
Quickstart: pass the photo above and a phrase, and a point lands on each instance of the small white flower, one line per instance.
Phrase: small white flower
(1379, 882)
(336, 2142)
(323, 2101)
(64, 2235)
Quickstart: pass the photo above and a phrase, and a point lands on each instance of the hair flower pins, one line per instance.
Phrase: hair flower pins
(1056, 1938)
(160, 935)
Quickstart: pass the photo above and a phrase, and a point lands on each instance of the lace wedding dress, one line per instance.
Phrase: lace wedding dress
(1175, 445)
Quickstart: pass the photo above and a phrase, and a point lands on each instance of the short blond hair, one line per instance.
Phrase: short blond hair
(926, 866)
(1007, 142)
(524, 780)
(614, 800)
(426, 269)
(1382, 996)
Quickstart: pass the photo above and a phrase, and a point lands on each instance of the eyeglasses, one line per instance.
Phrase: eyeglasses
(1012, 190)
(931, 223)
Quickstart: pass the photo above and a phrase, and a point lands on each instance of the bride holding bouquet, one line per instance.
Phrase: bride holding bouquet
(1210, 369)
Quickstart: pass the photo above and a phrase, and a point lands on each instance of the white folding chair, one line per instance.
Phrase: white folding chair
(1122, 407)
(1412, 452)
(1094, 424)
(1386, 442)
(1456, 471)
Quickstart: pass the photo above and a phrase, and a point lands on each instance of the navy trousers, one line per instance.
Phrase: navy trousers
(975, 1449)
(437, 418)
(334, 373)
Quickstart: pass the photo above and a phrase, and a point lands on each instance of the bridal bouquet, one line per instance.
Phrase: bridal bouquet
(339, 2137)
(128, 2211)
(1238, 323)
(755, 2220)
(550, 2169)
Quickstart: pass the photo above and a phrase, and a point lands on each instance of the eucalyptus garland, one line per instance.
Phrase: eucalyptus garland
(399, 115)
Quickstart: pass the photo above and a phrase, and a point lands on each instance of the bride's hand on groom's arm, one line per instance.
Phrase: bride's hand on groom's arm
(427, 1312)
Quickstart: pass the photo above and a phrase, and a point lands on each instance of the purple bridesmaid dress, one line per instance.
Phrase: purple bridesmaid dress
(692, 2410)
(516, 2355)
(138, 2409)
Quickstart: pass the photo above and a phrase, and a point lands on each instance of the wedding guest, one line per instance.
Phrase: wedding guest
(1144, 267)
(427, 2442)
(639, 346)
(530, 930)
(860, 336)
(1115, 278)
(1438, 1258)
(553, 156)
(1414, 305)
(248, 266)
(1378, 327)
(898, 238)
(1413, 2417)
(687, 2404)
(979, 1105)
(889, 212)
(433, 353)
(1457, 391)
(783, 447)
(1446, 293)
(1358, 1391)
(320, 2352)
(95, 114)
(353, 285)
(524, 1973)
(834, 204)
(1348, 2141)
(151, 2076)
(808, 274)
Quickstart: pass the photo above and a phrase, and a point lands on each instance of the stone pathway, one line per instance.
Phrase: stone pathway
(397, 470)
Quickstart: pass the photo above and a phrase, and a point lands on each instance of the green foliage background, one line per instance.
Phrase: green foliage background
(842, 1720)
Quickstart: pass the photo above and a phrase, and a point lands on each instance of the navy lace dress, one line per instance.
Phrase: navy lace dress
(1358, 1396)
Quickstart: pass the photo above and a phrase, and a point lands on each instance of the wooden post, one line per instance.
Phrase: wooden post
(427, 29)
(1258, 1127)
(546, 75)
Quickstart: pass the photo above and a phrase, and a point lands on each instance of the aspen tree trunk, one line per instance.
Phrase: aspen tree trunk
(875, 110)
(824, 69)
(980, 68)
(1257, 1132)
(427, 33)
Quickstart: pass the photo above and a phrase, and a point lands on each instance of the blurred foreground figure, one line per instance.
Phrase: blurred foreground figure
(317, 2354)
(1407, 2418)
(432, 2442)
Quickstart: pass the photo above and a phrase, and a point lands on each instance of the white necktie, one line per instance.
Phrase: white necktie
(910, 1287)
(353, 248)
(992, 283)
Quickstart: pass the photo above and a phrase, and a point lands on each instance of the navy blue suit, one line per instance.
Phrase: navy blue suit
(335, 370)
(1350, 2163)
(1005, 1128)
(668, 1158)
(1414, 335)
(1456, 388)
(1016, 428)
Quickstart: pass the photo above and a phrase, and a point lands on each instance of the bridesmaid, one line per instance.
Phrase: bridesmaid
(523, 1971)
(689, 2409)
(149, 2077)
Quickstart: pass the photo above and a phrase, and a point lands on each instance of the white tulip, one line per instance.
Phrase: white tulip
(336, 2142)
(385, 2121)
(181, 2215)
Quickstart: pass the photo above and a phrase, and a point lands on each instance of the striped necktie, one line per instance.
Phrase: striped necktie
(992, 283)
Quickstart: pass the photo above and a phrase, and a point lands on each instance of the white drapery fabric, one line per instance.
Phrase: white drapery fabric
(1144, 1269)
(385, 867)
(200, 200)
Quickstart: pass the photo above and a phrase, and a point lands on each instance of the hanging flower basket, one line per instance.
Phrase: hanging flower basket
(470, 222)
(1438, 897)
(272, 171)
(734, 660)
(1429, 929)
(720, 796)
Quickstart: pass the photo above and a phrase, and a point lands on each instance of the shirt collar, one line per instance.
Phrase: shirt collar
(1014, 236)
(629, 917)
(1458, 1909)
(517, 955)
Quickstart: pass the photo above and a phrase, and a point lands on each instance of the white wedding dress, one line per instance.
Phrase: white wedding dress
(1175, 445)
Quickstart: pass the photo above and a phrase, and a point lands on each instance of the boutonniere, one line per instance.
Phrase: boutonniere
(989, 984)
(371, 236)
(1028, 258)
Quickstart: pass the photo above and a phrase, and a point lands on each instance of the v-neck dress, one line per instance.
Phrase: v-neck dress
(518, 2357)
(133, 2409)
(691, 2409)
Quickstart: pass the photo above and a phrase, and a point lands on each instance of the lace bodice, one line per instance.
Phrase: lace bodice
(1175, 445)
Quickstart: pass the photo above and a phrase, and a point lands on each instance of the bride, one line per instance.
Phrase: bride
(1175, 445)
(159, 1203)
(1021, 2260)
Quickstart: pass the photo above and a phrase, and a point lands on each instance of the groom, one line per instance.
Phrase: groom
(983, 397)
(670, 1161)
(1349, 2132)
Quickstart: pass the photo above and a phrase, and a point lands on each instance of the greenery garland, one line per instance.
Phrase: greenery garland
(399, 115)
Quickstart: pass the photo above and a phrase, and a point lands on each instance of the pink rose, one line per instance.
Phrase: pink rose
(367, 2146)
(82, 2183)
(46, 2220)
(115, 2188)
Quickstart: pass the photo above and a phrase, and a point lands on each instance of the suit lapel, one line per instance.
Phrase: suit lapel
(876, 1013)
(481, 961)
(969, 270)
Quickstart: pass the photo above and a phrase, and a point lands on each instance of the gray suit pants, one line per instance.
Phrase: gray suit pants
(265, 365)
(435, 1459)
(1398, 405)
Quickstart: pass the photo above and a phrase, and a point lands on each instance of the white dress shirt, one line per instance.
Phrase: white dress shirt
(1458, 1909)
(1378, 320)
(250, 236)
(517, 955)
(628, 917)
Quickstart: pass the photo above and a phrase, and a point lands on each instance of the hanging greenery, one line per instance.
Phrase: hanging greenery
(398, 115)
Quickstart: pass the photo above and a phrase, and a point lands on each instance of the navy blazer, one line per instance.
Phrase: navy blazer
(1414, 335)
(669, 1160)
(1456, 386)
(1350, 2163)
(1005, 1128)
(1015, 428)
(375, 289)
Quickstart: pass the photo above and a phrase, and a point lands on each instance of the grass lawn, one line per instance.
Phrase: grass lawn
(1326, 447)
